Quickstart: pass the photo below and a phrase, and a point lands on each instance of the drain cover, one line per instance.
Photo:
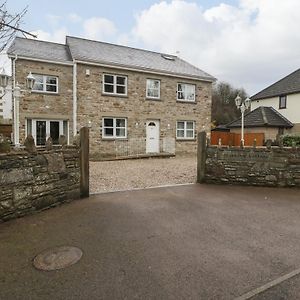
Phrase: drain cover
(57, 258)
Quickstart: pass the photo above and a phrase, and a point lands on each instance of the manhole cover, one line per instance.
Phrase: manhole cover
(57, 258)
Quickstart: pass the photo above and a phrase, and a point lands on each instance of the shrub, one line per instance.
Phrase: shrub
(291, 140)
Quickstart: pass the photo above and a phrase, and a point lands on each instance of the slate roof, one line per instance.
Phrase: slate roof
(104, 53)
(100, 52)
(287, 85)
(262, 116)
(39, 49)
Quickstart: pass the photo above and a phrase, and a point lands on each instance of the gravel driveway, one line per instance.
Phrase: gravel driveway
(139, 173)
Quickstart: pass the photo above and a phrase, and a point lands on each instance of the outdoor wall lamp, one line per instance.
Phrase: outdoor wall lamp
(4, 78)
(242, 105)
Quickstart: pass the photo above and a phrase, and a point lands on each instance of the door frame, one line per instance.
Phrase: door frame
(157, 122)
(33, 126)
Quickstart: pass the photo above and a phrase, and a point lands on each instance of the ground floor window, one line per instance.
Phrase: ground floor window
(42, 129)
(114, 128)
(185, 130)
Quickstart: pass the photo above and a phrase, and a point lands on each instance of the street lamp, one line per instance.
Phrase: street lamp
(16, 90)
(242, 105)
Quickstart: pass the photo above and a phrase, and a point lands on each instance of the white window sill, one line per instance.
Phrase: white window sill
(186, 101)
(44, 92)
(153, 98)
(115, 95)
(114, 138)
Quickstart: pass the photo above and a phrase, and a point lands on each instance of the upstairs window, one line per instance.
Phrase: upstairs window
(45, 83)
(114, 128)
(282, 102)
(153, 89)
(185, 130)
(186, 92)
(114, 84)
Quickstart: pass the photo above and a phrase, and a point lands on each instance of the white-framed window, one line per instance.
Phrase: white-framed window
(41, 130)
(186, 92)
(153, 88)
(114, 84)
(114, 128)
(45, 83)
(185, 130)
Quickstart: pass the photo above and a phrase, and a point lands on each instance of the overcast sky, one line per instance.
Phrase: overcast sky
(248, 43)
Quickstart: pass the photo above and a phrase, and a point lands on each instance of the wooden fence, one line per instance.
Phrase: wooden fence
(6, 130)
(234, 139)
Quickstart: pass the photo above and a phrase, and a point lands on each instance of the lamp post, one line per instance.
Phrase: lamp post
(242, 105)
(16, 90)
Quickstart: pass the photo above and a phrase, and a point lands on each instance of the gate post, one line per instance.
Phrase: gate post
(201, 156)
(84, 163)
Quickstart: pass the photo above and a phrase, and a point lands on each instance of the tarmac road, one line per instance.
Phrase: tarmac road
(183, 242)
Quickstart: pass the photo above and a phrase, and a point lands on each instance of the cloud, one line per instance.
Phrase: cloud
(251, 44)
(57, 36)
(99, 28)
(74, 18)
(54, 20)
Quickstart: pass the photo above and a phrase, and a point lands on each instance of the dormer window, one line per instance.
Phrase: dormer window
(282, 102)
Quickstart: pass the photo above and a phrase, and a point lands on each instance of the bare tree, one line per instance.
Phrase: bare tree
(223, 104)
(10, 25)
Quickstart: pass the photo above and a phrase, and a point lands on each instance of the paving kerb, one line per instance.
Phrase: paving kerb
(190, 241)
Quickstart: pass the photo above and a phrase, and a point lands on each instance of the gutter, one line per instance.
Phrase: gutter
(144, 70)
(42, 60)
(16, 126)
(74, 98)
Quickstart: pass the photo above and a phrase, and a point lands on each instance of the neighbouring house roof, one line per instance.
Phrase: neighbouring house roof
(30, 48)
(262, 116)
(287, 85)
(80, 49)
(221, 128)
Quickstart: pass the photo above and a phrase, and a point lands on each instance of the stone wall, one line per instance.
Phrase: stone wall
(273, 166)
(34, 181)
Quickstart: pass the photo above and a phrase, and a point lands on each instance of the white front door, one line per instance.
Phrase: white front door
(152, 136)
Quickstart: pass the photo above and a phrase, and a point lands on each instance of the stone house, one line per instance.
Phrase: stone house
(284, 97)
(148, 101)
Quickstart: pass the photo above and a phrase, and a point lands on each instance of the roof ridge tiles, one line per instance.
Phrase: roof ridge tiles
(118, 45)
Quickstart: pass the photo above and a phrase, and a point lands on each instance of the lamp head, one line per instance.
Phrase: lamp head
(247, 103)
(30, 80)
(3, 78)
(238, 101)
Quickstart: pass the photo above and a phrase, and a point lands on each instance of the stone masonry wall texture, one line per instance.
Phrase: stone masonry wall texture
(31, 182)
(253, 166)
(93, 105)
(39, 105)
